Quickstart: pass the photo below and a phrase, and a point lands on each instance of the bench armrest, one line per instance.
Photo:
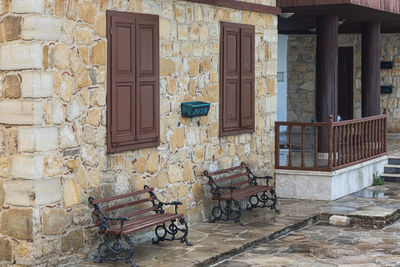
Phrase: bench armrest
(175, 203)
(253, 178)
(103, 220)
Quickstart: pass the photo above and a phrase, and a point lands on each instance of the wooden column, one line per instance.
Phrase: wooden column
(326, 74)
(371, 72)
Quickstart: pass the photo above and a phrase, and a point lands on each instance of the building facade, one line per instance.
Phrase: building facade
(53, 117)
(301, 77)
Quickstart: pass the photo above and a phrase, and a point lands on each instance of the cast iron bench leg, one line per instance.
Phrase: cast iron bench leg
(239, 213)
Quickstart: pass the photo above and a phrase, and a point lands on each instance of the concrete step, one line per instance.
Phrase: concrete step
(392, 168)
(394, 160)
(391, 177)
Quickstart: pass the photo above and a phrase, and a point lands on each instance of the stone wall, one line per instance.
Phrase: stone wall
(301, 76)
(53, 117)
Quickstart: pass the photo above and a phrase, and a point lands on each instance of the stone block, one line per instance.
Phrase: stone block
(41, 28)
(87, 12)
(67, 137)
(84, 35)
(177, 139)
(174, 173)
(19, 192)
(194, 67)
(198, 192)
(17, 223)
(4, 6)
(5, 250)
(12, 27)
(167, 67)
(53, 164)
(37, 139)
(337, 220)
(4, 166)
(152, 163)
(60, 7)
(72, 194)
(140, 165)
(73, 241)
(26, 139)
(37, 84)
(183, 32)
(81, 177)
(82, 215)
(188, 174)
(99, 54)
(2, 193)
(27, 166)
(17, 112)
(72, 165)
(12, 87)
(48, 191)
(19, 56)
(59, 56)
(27, 6)
(165, 29)
(100, 25)
(55, 221)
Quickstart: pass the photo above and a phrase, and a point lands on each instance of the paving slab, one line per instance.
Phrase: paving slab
(374, 207)
(325, 245)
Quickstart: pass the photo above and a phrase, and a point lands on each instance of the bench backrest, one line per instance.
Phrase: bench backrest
(235, 176)
(129, 200)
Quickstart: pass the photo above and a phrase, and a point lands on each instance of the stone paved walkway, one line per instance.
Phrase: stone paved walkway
(373, 207)
(324, 245)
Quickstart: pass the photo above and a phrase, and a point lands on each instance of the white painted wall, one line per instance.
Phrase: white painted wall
(281, 114)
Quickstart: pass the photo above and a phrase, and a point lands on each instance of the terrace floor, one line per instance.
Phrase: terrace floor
(374, 207)
(324, 245)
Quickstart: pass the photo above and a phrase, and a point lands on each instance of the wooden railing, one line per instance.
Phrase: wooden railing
(334, 145)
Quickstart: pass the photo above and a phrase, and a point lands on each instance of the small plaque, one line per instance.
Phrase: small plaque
(387, 65)
(387, 89)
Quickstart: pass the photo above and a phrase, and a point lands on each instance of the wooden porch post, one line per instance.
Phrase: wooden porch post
(326, 74)
(371, 75)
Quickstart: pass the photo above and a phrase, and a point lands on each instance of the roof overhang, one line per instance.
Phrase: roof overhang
(352, 12)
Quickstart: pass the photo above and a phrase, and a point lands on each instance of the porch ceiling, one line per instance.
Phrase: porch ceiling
(354, 12)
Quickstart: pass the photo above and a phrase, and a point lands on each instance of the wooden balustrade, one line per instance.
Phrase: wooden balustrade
(350, 142)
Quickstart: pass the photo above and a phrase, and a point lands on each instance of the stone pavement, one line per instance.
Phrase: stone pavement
(325, 245)
(374, 207)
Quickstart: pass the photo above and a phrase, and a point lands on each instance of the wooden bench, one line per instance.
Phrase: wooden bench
(228, 186)
(122, 226)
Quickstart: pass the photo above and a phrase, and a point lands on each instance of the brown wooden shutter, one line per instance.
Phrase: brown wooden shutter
(230, 77)
(237, 104)
(133, 108)
(122, 61)
(247, 77)
(147, 83)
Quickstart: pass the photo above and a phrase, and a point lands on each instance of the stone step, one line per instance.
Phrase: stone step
(392, 168)
(391, 177)
(394, 160)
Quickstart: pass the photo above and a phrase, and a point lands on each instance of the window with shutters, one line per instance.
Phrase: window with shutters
(237, 79)
(133, 81)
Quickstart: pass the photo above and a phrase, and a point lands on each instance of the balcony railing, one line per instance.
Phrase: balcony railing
(329, 146)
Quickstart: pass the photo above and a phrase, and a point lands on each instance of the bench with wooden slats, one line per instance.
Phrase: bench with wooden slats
(235, 184)
(135, 213)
